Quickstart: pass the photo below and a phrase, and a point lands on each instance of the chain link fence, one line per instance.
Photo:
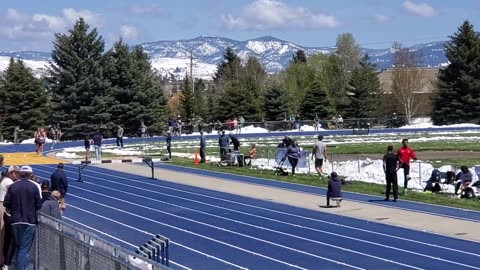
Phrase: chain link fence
(59, 245)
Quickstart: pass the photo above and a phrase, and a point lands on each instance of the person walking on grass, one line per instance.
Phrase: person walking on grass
(404, 154)
(320, 154)
(23, 200)
(293, 155)
(391, 164)
(203, 146)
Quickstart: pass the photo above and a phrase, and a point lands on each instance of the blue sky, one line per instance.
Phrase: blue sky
(30, 24)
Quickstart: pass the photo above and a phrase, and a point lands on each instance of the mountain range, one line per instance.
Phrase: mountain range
(172, 58)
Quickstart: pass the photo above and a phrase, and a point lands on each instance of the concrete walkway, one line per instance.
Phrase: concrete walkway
(463, 229)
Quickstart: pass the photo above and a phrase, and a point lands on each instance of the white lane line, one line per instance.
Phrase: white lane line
(274, 231)
(120, 240)
(323, 189)
(173, 242)
(215, 227)
(283, 213)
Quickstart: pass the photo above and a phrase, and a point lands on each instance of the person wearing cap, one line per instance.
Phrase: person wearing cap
(58, 181)
(12, 175)
(320, 154)
(23, 200)
(50, 207)
(334, 190)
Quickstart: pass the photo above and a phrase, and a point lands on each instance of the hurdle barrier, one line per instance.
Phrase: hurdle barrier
(84, 163)
(156, 249)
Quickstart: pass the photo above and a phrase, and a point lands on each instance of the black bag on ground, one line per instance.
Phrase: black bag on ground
(433, 187)
(468, 193)
(450, 178)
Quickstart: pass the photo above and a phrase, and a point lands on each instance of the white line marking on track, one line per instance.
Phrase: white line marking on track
(120, 240)
(215, 227)
(278, 232)
(283, 213)
(173, 242)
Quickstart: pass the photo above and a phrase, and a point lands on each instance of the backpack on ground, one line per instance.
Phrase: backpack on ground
(468, 193)
(450, 178)
(432, 187)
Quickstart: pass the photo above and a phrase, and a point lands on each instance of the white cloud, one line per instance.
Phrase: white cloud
(420, 9)
(380, 18)
(152, 9)
(39, 28)
(272, 14)
(129, 32)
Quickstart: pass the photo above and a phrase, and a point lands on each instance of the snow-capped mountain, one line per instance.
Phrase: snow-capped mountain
(173, 57)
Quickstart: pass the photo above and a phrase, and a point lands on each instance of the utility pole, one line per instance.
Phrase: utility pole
(191, 73)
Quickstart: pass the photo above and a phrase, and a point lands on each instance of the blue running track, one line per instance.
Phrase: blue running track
(214, 230)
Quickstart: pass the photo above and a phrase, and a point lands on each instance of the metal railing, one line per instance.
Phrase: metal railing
(59, 245)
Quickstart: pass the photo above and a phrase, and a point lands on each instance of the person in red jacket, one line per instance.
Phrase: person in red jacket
(404, 154)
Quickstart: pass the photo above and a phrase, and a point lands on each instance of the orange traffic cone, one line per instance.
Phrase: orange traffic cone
(195, 161)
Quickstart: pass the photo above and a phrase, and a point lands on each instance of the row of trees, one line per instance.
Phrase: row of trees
(85, 89)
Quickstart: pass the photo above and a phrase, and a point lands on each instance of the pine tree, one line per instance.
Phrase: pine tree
(187, 99)
(24, 100)
(299, 57)
(199, 100)
(276, 103)
(458, 95)
(316, 102)
(77, 81)
(363, 91)
(135, 90)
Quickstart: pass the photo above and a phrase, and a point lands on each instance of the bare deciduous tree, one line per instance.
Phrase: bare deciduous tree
(407, 80)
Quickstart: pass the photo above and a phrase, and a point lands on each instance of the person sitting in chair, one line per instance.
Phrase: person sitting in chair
(251, 155)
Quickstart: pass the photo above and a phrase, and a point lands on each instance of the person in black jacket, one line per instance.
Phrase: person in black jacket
(391, 164)
(58, 181)
(168, 142)
(334, 191)
(236, 143)
(23, 200)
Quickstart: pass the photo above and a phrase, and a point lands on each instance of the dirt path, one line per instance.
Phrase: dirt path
(424, 155)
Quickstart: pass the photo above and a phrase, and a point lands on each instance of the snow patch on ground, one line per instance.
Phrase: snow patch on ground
(67, 155)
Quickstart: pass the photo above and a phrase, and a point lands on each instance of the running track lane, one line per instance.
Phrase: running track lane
(214, 230)
(445, 211)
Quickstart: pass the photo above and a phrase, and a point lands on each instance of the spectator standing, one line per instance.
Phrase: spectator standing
(334, 189)
(293, 155)
(316, 122)
(168, 142)
(404, 154)
(236, 143)
(16, 134)
(12, 174)
(97, 144)
(86, 143)
(120, 137)
(235, 124)
(223, 143)
(391, 164)
(23, 200)
(2, 173)
(59, 182)
(241, 124)
(320, 154)
(203, 145)
(340, 121)
(179, 127)
(142, 129)
(45, 190)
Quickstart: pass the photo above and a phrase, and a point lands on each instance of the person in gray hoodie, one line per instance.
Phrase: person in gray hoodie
(293, 155)
(223, 143)
(334, 190)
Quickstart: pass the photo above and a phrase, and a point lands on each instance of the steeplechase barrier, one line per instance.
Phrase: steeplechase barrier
(84, 163)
